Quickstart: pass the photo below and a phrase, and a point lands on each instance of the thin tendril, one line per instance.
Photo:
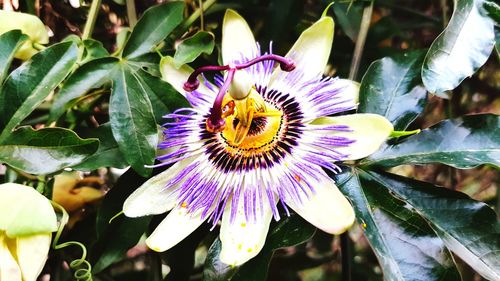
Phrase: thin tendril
(82, 268)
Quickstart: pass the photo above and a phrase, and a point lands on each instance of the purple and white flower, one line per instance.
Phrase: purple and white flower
(258, 138)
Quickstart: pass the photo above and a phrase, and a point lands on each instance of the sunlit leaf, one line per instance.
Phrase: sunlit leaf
(462, 143)
(27, 86)
(460, 49)
(406, 246)
(469, 228)
(46, 150)
(390, 87)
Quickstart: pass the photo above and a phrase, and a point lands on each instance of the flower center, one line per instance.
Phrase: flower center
(253, 123)
(240, 107)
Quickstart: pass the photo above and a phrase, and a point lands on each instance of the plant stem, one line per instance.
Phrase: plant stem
(195, 15)
(91, 19)
(346, 256)
(131, 13)
(202, 21)
(360, 41)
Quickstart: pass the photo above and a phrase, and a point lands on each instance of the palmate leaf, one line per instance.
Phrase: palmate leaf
(390, 87)
(462, 143)
(406, 246)
(461, 48)
(27, 86)
(468, 228)
(287, 232)
(138, 100)
(46, 150)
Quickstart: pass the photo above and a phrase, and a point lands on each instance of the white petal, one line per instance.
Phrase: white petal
(369, 131)
(9, 270)
(242, 239)
(178, 76)
(32, 254)
(351, 89)
(310, 52)
(173, 229)
(326, 208)
(237, 38)
(153, 197)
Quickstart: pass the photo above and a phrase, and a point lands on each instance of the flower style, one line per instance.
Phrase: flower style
(27, 221)
(263, 142)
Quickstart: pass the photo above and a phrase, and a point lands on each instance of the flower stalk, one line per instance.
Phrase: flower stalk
(91, 19)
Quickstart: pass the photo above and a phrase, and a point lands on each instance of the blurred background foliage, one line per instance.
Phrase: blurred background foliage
(396, 25)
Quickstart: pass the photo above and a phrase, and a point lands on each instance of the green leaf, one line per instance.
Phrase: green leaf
(155, 24)
(460, 49)
(406, 246)
(289, 231)
(116, 238)
(214, 269)
(90, 75)
(9, 43)
(469, 228)
(132, 120)
(108, 154)
(193, 47)
(27, 86)
(348, 16)
(461, 143)
(390, 87)
(164, 98)
(93, 49)
(45, 151)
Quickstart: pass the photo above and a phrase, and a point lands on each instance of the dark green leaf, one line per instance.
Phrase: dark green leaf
(469, 228)
(406, 246)
(214, 269)
(9, 43)
(93, 50)
(164, 98)
(46, 150)
(390, 88)
(462, 143)
(108, 154)
(289, 231)
(348, 16)
(193, 47)
(89, 76)
(155, 24)
(132, 120)
(493, 10)
(115, 238)
(461, 49)
(32, 82)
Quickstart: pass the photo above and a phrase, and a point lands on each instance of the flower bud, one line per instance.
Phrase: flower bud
(29, 25)
(27, 221)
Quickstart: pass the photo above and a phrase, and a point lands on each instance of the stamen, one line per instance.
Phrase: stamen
(216, 123)
(192, 83)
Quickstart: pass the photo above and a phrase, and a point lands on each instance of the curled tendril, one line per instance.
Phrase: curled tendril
(82, 268)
